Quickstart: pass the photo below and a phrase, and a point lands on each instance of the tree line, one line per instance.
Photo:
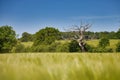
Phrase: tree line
(71, 35)
(44, 41)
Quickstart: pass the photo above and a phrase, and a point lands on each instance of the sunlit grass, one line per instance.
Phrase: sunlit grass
(94, 43)
(27, 44)
(113, 42)
(58, 66)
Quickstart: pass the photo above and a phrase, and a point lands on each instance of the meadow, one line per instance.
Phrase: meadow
(93, 43)
(113, 42)
(60, 66)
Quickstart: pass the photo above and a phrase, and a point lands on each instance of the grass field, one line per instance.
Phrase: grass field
(113, 42)
(58, 66)
(93, 43)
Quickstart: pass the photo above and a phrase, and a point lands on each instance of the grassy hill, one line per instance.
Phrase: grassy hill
(57, 66)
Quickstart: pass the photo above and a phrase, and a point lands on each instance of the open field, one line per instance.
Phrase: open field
(113, 42)
(58, 66)
(93, 43)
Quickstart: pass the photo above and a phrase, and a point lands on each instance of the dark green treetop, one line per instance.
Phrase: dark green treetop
(7, 38)
(46, 36)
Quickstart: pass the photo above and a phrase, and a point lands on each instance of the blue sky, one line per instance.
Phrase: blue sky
(32, 15)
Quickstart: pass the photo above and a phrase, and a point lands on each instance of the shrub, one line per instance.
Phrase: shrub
(18, 48)
(40, 48)
(63, 47)
(104, 42)
(89, 48)
(74, 46)
(53, 46)
(118, 47)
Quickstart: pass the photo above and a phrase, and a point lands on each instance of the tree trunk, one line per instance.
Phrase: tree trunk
(81, 29)
(82, 46)
(81, 42)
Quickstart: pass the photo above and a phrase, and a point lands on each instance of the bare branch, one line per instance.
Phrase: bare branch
(81, 29)
(87, 26)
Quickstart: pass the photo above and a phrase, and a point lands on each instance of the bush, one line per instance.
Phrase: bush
(18, 48)
(74, 46)
(45, 48)
(89, 48)
(53, 47)
(40, 48)
(63, 48)
(104, 42)
(118, 47)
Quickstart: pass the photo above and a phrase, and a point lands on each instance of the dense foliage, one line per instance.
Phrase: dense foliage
(7, 38)
(92, 35)
(47, 40)
(104, 42)
(74, 46)
(118, 34)
(46, 36)
(118, 47)
(26, 37)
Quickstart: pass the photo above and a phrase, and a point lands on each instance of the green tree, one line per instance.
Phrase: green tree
(7, 38)
(118, 34)
(26, 37)
(112, 35)
(104, 42)
(46, 36)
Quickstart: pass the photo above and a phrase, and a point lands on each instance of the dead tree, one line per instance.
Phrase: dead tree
(81, 30)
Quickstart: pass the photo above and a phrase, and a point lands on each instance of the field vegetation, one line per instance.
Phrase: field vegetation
(50, 39)
(57, 66)
(50, 55)
(94, 43)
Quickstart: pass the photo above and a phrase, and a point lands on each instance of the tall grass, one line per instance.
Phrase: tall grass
(57, 66)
